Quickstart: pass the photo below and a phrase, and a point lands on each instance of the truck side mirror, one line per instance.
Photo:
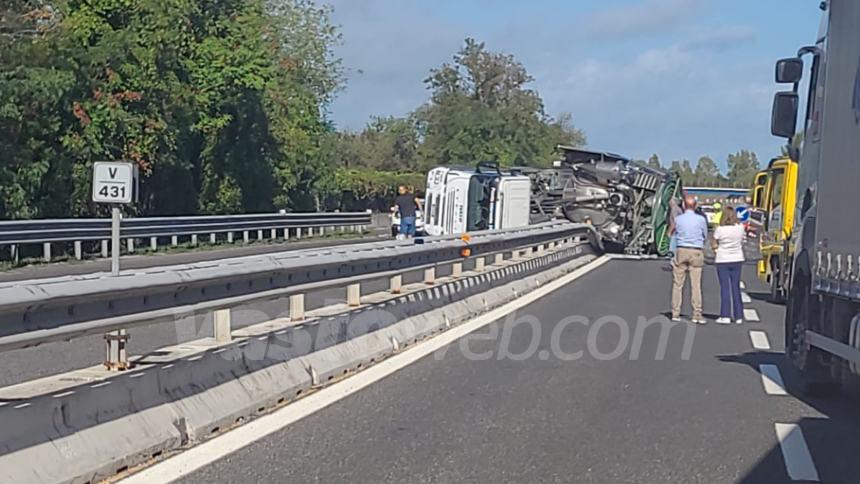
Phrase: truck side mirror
(783, 121)
(789, 71)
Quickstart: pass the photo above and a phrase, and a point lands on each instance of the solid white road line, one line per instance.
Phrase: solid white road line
(212, 450)
(772, 380)
(745, 298)
(751, 315)
(759, 340)
(795, 453)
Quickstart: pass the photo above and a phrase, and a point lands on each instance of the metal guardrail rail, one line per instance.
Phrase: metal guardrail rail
(14, 233)
(45, 310)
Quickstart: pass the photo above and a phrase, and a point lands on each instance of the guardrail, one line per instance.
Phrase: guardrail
(75, 231)
(45, 310)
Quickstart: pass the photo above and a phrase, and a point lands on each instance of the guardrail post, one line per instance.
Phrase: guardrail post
(457, 269)
(479, 264)
(174, 240)
(430, 276)
(322, 230)
(46, 249)
(153, 243)
(79, 251)
(194, 240)
(223, 326)
(130, 244)
(298, 232)
(259, 235)
(499, 259)
(213, 239)
(13, 249)
(297, 307)
(246, 237)
(286, 233)
(396, 284)
(116, 356)
(105, 251)
(540, 249)
(353, 295)
(274, 233)
(229, 237)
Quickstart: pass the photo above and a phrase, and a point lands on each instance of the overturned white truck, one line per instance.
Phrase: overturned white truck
(627, 202)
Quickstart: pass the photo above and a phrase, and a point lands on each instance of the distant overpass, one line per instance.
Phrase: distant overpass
(710, 194)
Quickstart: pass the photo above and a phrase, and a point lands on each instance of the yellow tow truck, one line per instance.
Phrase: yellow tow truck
(774, 195)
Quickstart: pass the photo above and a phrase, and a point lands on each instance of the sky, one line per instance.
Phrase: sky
(681, 78)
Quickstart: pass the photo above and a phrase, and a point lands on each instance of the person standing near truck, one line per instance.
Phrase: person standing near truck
(407, 205)
(728, 241)
(692, 230)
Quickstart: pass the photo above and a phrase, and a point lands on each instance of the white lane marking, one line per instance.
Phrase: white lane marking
(745, 298)
(99, 385)
(212, 450)
(22, 405)
(795, 453)
(751, 315)
(64, 394)
(772, 380)
(743, 286)
(759, 340)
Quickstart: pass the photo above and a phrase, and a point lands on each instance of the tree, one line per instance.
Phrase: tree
(707, 173)
(482, 109)
(685, 170)
(221, 103)
(743, 166)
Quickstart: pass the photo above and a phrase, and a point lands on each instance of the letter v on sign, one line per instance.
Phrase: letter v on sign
(112, 172)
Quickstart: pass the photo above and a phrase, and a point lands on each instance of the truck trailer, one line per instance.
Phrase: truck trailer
(822, 324)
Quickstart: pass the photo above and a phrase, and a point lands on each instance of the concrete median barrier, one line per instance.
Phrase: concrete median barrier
(89, 425)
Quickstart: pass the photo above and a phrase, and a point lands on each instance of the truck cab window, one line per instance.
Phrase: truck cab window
(777, 188)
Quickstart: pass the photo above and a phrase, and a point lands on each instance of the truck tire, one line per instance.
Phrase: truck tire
(812, 363)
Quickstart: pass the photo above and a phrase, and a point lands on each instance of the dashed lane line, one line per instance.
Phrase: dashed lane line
(751, 315)
(204, 454)
(743, 286)
(745, 298)
(795, 453)
(772, 380)
(759, 340)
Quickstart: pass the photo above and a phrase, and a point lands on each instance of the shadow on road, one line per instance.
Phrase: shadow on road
(833, 439)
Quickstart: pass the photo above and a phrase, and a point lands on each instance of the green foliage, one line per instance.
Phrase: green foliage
(221, 103)
(743, 166)
(361, 188)
(480, 108)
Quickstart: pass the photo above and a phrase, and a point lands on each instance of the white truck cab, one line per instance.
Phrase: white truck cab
(485, 198)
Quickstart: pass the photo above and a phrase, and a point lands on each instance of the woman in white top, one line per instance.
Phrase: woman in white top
(728, 240)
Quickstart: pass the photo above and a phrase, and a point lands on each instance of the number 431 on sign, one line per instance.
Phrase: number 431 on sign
(114, 182)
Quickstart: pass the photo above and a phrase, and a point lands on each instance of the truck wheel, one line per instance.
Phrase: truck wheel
(812, 363)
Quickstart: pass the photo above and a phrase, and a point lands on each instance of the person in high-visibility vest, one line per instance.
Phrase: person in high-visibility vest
(718, 213)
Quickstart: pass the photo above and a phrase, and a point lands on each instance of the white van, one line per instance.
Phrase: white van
(463, 200)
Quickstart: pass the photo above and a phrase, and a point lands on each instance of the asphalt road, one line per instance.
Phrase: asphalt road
(54, 358)
(537, 417)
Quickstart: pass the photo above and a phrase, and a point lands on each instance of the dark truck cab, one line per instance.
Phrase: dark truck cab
(823, 306)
